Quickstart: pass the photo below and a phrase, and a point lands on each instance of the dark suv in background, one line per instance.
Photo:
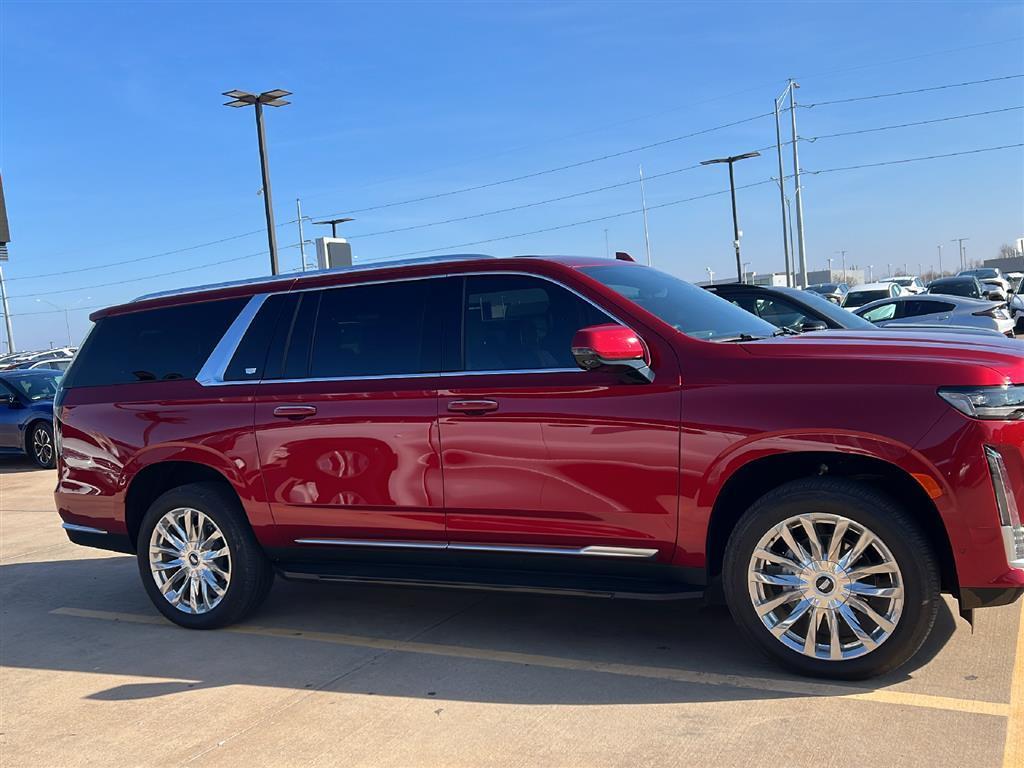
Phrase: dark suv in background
(548, 424)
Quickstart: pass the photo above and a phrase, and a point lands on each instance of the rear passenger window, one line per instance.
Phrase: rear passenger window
(516, 322)
(926, 307)
(152, 345)
(376, 330)
(250, 358)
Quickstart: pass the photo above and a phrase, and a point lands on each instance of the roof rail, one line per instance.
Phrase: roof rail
(364, 267)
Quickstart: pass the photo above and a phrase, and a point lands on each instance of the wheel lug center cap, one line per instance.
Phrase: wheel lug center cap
(824, 584)
(193, 559)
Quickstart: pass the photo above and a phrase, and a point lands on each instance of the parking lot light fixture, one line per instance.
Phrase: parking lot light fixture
(733, 159)
(272, 98)
(334, 224)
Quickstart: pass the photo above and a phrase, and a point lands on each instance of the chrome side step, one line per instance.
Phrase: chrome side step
(591, 551)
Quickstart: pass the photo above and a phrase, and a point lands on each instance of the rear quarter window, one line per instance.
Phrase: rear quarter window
(152, 345)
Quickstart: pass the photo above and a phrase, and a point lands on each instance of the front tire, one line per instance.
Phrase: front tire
(39, 445)
(831, 579)
(199, 560)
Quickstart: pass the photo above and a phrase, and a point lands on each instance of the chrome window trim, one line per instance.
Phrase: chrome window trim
(82, 528)
(518, 549)
(216, 364)
(212, 372)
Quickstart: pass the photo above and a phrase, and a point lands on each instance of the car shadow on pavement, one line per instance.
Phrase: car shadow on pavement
(585, 632)
(11, 464)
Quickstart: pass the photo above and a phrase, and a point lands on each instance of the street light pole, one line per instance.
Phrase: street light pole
(940, 259)
(732, 160)
(271, 99)
(843, 255)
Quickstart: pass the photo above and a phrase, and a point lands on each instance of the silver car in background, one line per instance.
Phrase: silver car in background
(939, 310)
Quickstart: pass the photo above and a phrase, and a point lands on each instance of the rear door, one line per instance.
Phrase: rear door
(538, 454)
(346, 417)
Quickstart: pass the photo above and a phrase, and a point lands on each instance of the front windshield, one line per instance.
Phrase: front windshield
(860, 298)
(40, 387)
(982, 273)
(684, 306)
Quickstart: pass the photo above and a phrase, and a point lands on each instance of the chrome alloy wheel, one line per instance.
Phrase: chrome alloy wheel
(825, 586)
(42, 446)
(190, 560)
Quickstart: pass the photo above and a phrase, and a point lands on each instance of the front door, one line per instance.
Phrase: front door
(540, 455)
(346, 418)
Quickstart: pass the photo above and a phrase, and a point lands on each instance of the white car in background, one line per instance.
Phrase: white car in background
(1016, 302)
(909, 283)
(939, 310)
(860, 295)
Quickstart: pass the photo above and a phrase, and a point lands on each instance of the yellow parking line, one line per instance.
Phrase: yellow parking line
(765, 684)
(1013, 751)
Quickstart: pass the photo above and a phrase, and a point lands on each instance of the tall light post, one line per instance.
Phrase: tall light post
(732, 191)
(842, 254)
(271, 99)
(711, 274)
(940, 259)
(870, 274)
(745, 265)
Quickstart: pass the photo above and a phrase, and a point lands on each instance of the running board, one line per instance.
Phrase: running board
(490, 580)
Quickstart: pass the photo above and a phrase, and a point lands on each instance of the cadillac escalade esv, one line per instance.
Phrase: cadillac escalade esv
(574, 425)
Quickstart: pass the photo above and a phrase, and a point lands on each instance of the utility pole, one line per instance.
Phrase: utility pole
(732, 160)
(607, 253)
(962, 252)
(870, 274)
(830, 260)
(888, 270)
(302, 240)
(5, 238)
(271, 99)
(796, 181)
(843, 255)
(643, 203)
(940, 259)
(782, 188)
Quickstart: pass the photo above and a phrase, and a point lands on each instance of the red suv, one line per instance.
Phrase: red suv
(548, 424)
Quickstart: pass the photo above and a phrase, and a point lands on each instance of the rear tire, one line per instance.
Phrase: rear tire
(39, 445)
(198, 558)
(865, 624)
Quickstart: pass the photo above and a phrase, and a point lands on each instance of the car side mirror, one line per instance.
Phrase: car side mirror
(612, 347)
(812, 325)
(12, 401)
(994, 294)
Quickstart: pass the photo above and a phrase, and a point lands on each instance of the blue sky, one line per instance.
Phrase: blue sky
(114, 144)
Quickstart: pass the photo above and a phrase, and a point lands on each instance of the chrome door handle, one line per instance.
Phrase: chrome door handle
(473, 406)
(294, 411)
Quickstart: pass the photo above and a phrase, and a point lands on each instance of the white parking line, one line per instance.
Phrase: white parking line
(1013, 751)
(768, 685)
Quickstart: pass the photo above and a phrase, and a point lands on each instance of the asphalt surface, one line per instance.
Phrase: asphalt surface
(90, 674)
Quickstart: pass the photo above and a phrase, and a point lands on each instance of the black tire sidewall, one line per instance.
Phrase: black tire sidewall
(30, 447)
(886, 520)
(251, 572)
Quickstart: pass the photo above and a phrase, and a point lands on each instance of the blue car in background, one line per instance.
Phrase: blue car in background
(26, 414)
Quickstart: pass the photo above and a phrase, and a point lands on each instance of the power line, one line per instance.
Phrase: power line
(907, 93)
(147, 277)
(547, 171)
(559, 226)
(914, 159)
(907, 125)
(524, 205)
(698, 197)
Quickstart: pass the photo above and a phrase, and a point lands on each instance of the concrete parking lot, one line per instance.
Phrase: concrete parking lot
(340, 675)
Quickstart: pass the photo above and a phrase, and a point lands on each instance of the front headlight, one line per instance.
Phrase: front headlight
(1005, 403)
